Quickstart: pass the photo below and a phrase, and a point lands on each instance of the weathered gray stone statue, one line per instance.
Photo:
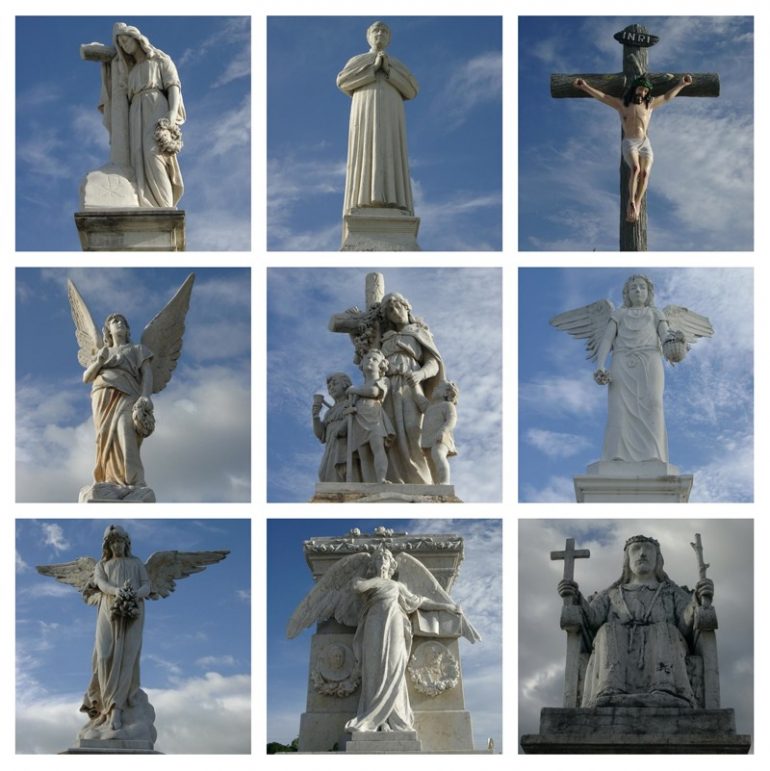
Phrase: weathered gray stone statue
(387, 635)
(124, 375)
(397, 427)
(378, 212)
(642, 673)
(121, 717)
(141, 101)
(640, 337)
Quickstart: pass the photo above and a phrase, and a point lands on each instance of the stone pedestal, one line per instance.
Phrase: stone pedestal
(376, 492)
(636, 730)
(649, 481)
(379, 230)
(112, 747)
(371, 742)
(104, 492)
(131, 230)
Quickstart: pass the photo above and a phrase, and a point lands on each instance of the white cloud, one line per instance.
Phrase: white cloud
(210, 662)
(53, 536)
(21, 565)
(555, 444)
(469, 84)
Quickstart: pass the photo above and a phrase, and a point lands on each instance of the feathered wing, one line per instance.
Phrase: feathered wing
(163, 335)
(588, 323)
(419, 580)
(78, 573)
(86, 332)
(165, 567)
(691, 324)
(333, 596)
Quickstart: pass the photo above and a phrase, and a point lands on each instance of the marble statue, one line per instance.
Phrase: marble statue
(141, 101)
(331, 429)
(439, 420)
(378, 166)
(361, 591)
(118, 584)
(639, 336)
(643, 627)
(414, 369)
(124, 375)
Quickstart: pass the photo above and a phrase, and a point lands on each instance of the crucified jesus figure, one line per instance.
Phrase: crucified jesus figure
(635, 110)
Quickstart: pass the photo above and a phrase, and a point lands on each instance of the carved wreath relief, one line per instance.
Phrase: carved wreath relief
(433, 669)
(335, 671)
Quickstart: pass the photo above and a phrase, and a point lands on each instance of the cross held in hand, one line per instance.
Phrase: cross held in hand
(569, 555)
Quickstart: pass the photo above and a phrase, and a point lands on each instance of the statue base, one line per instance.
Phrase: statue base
(379, 741)
(378, 492)
(636, 730)
(112, 747)
(137, 229)
(649, 481)
(379, 230)
(104, 492)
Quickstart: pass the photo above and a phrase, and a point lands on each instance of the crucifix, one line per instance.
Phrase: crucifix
(635, 40)
(570, 622)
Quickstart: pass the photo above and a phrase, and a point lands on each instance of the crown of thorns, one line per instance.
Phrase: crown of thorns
(642, 81)
(639, 539)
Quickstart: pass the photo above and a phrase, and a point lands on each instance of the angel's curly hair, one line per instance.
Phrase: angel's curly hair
(650, 290)
(107, 335)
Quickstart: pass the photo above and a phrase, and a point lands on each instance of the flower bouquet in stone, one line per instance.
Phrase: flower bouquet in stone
(675, 347)
(125, 604)
(168, 137)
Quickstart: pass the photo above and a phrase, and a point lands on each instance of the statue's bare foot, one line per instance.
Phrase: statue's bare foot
(631, 215)
(116, 721)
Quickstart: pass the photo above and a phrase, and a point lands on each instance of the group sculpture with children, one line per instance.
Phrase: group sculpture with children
(397, 426)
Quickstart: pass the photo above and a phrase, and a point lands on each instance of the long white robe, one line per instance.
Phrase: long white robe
(636, 429)
(378, 164)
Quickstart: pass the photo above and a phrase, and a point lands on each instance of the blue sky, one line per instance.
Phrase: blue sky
(454, 128)
(60, 136)
(478, 590)
(728, 546)
(196, 649)
(709, 398)
(462, 308)
(200, 451)
(701, 194)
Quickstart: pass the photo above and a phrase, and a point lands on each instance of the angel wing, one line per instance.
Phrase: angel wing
(163, 335)
(333, 596)
(588, 323)
(78, 573)
(691, 324)
(165, 567)
(419, 580)
(86, 332)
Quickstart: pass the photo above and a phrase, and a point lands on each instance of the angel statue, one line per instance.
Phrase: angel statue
(124, 375)
(361, 590)
(637, 334)
(118, 584)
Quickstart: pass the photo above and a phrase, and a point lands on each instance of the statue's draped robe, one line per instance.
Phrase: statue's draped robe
(370, 419)
(640, 646)
(636, 430)
(382, 645)
(118, 644)
(332, 468)
(409, 349)
(378, 165)
(113, 395)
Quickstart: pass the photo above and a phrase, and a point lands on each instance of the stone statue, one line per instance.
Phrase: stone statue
(439, 420)
(120, 715)
(643, 627)
(141, 100)
(331, 429)
(637, 334)
(124, 375)
(635, 111)
(415, 366)
(378, 166)
(361, 591)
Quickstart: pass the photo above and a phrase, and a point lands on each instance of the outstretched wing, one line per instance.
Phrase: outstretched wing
(165, 567)
(86, 332)
(588, 323)
(419, 580)
(691, 324)
(78, 573)
(333, 596)
(163, 335)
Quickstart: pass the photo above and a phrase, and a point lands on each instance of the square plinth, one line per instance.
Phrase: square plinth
(131, 230)
(379, 230)
(382, 492)
(649, 481)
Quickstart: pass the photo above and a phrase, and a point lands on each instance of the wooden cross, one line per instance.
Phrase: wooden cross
(569, 555)
(635, 41)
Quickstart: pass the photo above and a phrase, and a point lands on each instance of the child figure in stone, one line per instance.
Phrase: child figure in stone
(332, 429)
(439, 420)
(369, 427)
